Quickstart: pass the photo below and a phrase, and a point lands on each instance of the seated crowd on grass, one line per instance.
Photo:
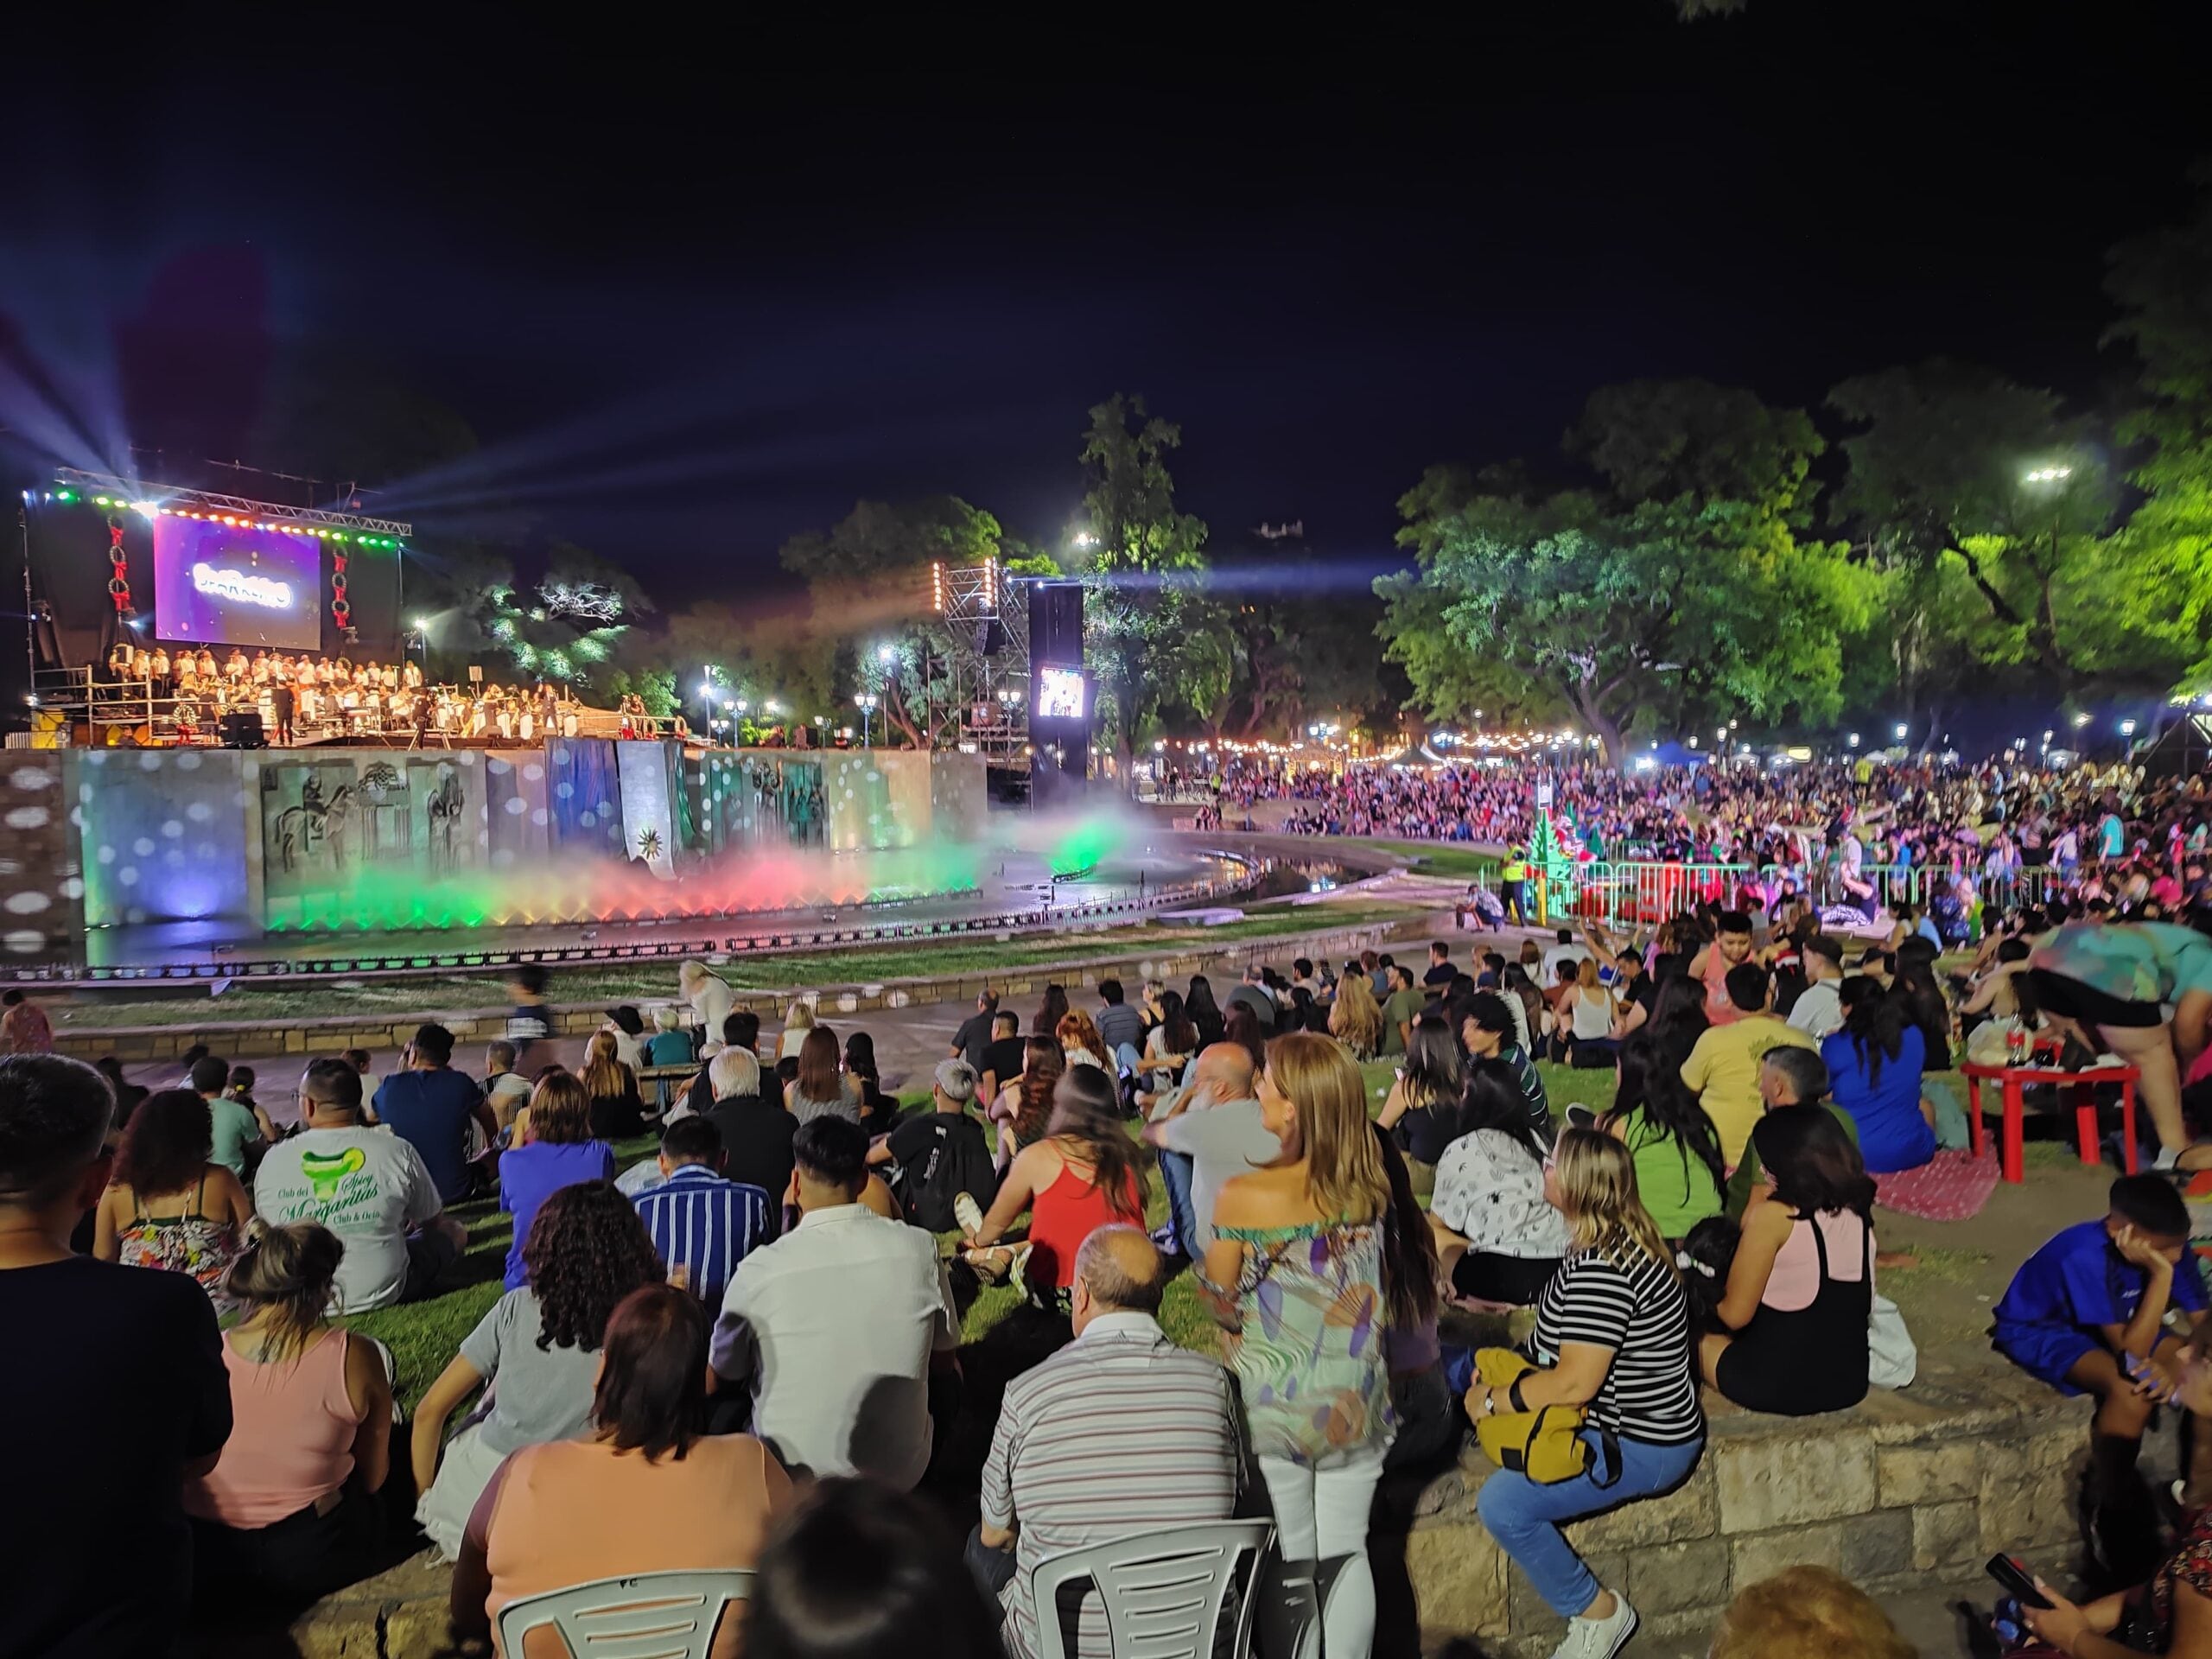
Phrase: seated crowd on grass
(740, 1347)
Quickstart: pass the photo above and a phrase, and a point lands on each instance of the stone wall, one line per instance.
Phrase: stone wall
(1910, 1490)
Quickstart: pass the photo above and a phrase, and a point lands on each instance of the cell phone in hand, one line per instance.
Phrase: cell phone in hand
(2012, 1573)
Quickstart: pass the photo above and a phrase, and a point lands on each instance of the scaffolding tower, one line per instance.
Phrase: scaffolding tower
(984, 616)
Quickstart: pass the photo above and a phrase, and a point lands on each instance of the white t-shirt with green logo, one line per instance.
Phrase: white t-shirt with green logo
(366, 1186)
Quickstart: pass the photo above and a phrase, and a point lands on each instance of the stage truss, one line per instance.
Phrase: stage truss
(985, 619)
(128, 495)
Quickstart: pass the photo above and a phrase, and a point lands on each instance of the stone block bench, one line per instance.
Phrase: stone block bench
(1908, 1492)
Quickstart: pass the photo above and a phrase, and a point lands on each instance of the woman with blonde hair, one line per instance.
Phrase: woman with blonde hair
(1807, 1613)
(1586, 1014)
(709, 996)
(1355, 1017)
(798, 1020)
(1613, 1337)
(1305, 1239)
(618, 1112)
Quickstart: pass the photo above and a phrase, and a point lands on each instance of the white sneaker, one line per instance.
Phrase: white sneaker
(968, 1212)
(1598, 1638)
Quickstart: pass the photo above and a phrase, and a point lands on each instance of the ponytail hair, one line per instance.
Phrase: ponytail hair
(289, 1269)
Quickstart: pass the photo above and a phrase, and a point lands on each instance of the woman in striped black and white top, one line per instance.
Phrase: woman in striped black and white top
(1613, 1332)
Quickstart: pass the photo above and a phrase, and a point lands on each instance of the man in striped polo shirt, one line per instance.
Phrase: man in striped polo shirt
(702, 1225)
(1121, 1432)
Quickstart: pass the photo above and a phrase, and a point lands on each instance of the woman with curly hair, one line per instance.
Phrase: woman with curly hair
(555, 1148)
(167, 1205)
(540, 1345)
(878, 1111)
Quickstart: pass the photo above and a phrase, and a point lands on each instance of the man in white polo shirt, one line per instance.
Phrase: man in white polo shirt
(837, 1325)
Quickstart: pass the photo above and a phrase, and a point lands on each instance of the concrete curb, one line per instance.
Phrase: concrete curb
(258, 1039)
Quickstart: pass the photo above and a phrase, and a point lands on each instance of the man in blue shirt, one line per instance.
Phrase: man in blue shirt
(430, 1105)
(2086, 1315)
(702, 1225)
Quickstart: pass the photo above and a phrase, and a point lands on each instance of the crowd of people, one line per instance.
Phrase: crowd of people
(1831, 831)
(744, 1349)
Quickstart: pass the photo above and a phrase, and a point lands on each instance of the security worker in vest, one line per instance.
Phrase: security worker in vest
(1513, 886)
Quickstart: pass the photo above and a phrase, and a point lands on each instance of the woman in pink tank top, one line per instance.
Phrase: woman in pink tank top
(1802, 1286)
(290, 1511)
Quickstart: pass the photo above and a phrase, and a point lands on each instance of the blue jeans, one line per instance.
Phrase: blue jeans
(1175, 1176)
(1525, 1517)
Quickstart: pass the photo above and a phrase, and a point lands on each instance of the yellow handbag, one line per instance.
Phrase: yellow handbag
(1546, 1445)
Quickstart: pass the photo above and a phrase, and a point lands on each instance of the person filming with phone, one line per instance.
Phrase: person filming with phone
(2170, 1613)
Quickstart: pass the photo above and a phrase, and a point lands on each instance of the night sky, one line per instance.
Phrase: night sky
(694, 298)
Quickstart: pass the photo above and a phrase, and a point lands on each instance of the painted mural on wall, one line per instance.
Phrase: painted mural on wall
(335, 830)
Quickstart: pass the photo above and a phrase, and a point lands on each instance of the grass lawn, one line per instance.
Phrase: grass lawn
(646, 981)
(1458, 861)
(424, 1335)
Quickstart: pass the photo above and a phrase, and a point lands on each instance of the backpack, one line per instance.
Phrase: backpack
(957, 1160)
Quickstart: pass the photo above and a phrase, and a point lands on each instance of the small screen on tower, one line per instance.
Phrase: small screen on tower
(222, 584)
(1061, 694)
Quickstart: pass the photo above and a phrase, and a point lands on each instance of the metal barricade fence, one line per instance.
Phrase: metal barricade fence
(1614, 892)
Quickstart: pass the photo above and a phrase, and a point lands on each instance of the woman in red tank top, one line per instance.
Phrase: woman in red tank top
(1086, 1173)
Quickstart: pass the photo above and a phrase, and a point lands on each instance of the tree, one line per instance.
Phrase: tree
(2164, 285)
(1992, 507)
(1139, 576)
(1681, 592)
(1658, 440)
(1297, 634)
(868, 581)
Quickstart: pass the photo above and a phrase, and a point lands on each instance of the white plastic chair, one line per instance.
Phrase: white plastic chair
(647, 1616)
(1162, 1591)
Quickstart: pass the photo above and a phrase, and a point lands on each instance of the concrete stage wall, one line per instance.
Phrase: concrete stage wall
(287, 839)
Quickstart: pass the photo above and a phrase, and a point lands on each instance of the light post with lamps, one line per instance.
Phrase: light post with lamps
(2051, 478)
(866, 703)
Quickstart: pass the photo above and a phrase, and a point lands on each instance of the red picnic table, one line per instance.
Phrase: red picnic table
(2014, 1080)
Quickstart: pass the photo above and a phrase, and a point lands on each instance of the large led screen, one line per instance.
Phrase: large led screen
(1061, 694)
(232, 585)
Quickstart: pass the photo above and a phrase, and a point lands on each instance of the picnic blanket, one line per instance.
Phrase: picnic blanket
(1950, 1186)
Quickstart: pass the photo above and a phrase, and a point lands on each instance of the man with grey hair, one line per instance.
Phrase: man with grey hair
(940, 1155)
(1121, 1432)
(1788, 1075)
(756, 1131)
(1212, 1131)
